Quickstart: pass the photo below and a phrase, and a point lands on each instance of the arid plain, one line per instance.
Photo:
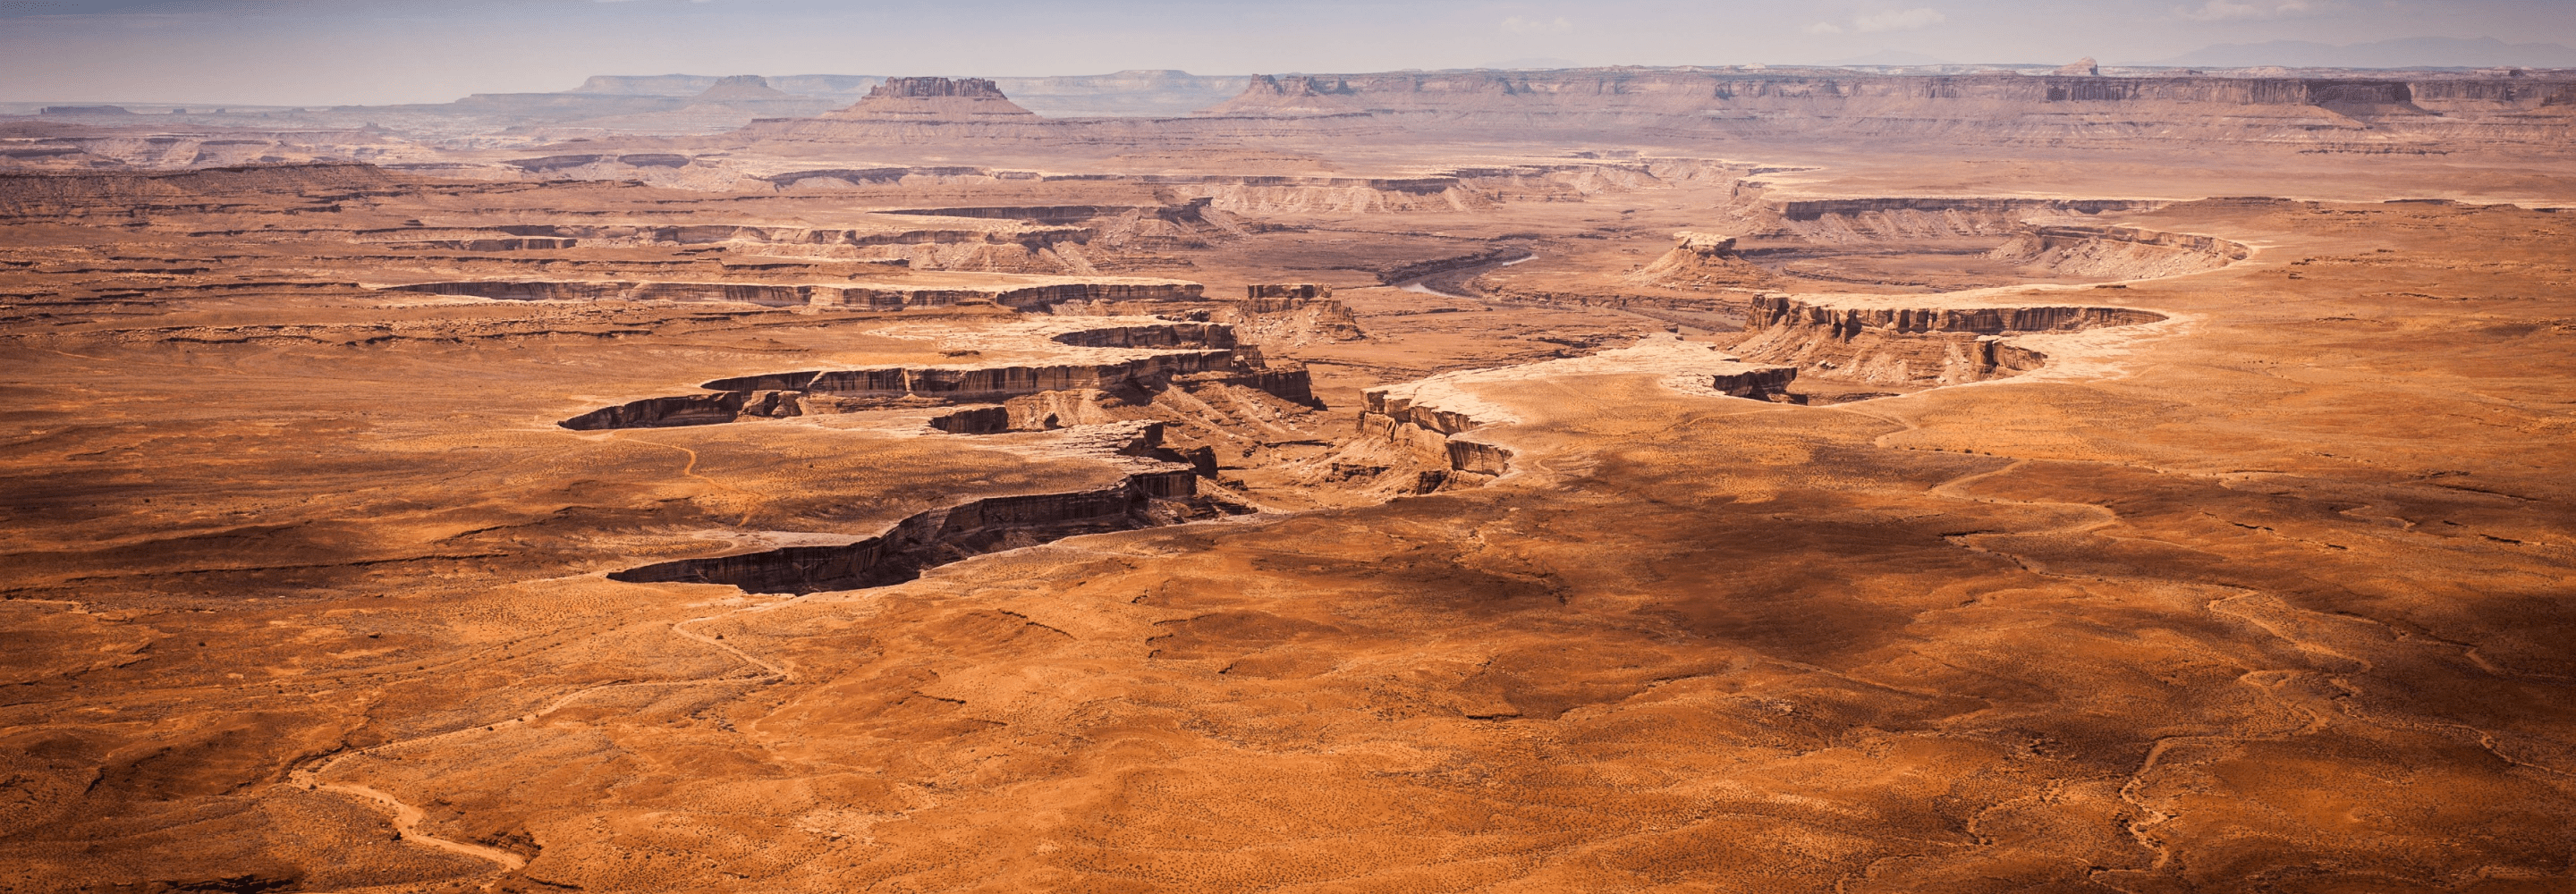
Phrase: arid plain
(1596, 480)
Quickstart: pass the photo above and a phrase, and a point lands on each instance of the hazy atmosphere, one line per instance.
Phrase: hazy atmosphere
(381, 51)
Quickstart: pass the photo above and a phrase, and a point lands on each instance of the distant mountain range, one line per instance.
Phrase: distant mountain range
(2409, 52)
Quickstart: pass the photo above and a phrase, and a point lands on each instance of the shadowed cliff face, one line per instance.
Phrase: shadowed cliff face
(941, 536)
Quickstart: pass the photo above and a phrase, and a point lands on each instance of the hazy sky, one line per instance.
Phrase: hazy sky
(382, 51)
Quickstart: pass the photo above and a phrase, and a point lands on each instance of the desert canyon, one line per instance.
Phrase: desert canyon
(1614, 479)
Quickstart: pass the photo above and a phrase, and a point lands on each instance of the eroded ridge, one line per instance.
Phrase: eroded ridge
(1158, 490)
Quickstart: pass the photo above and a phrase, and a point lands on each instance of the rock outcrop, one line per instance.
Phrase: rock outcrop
(1290, 315)
(934, 99)
(690, 409)
(974, 421)
(1292, 95)
(1702, 261)
(1278, 316)
(1432, 438)
(1878, 340)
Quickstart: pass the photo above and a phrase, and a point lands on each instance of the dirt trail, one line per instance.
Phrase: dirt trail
(407, 818)
(691, 471)
(407, 827)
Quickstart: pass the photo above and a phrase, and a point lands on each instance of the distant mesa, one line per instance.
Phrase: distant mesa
(2084, 67)
(1292, 95)
(935, 99)
(85, 110)
(647, 85)
(738, 88)
(931, 88)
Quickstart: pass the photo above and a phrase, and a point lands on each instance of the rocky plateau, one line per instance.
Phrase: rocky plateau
(1629, 479)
